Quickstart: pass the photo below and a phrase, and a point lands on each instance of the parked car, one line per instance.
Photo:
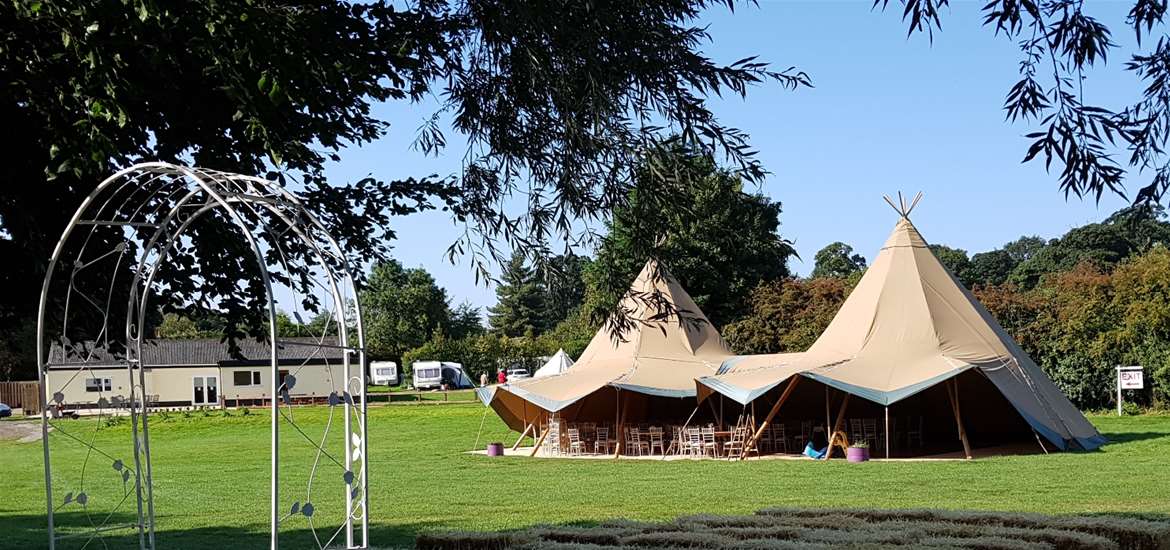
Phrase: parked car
(383, 373)
(518, 373)
(5, 411)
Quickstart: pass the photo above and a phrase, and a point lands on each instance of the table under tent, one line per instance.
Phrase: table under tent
(913, 364)
(630, 385)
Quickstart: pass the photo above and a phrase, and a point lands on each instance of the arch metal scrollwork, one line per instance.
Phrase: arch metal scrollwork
(113, 250)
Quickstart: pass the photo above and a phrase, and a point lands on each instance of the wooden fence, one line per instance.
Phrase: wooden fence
(21, 395)
(435, 397)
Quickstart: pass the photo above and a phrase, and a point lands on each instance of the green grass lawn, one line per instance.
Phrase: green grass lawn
(211, 480)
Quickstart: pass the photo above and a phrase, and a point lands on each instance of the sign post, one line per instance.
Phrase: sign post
(1128, 378)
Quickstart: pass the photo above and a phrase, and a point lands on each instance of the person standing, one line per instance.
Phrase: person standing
(502, 376)
(483, 379)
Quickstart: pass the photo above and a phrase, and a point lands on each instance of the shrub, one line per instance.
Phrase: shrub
(856, 529)
(468, 540)
(113, 421)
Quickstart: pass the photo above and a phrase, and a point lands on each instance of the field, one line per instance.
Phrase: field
(211, 480)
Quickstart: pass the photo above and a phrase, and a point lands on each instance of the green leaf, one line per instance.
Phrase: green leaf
(91, 29)
(263, 83)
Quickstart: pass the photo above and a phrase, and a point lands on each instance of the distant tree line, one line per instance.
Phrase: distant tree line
(719, 241)
(1097, 297)
(1079, 304)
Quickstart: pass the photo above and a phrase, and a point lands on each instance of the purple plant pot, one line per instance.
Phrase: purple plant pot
(495, 449)
(854, 454)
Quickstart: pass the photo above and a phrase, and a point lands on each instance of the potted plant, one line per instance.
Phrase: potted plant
(858, 451)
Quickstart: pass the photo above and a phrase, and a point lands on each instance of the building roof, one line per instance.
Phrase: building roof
(166, 352)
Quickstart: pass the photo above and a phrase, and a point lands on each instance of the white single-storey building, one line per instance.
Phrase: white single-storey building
(199, 372)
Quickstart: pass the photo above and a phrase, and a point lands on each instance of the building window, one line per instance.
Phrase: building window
(98, 384)
(246, 378)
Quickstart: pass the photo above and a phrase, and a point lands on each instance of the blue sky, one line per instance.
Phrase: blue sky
(887, 114)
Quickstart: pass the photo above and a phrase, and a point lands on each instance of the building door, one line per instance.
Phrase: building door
(205, 390)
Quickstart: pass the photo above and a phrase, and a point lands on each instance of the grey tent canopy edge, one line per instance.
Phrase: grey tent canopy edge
(657, 392)
(550, 405)
(886, 398)
(486, 394)
(743, 396)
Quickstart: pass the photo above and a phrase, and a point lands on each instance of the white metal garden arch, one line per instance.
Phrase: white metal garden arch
(127, 231)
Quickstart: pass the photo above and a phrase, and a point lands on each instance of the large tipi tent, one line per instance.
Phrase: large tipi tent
(557, 364)
(908, 327)
(649, 371)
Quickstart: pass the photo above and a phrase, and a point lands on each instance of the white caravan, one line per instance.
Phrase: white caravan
(433, 374)
(383, 373)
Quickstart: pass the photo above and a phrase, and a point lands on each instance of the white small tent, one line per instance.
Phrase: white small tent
(558, 363)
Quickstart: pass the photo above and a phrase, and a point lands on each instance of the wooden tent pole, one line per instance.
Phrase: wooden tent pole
(683, 430)
(828, 413)
(527, 427)
(837, 424)
(751, 442)
(953, 393)
(691, 417)
(841, 413)
(887, 431)
(721, 411)
(714, 411)
(621, 436)
(539, 442)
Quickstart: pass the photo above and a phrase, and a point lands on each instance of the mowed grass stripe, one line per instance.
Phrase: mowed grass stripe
(211, 479)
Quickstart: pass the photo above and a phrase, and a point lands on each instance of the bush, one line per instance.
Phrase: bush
(113, 421)
(856, 529)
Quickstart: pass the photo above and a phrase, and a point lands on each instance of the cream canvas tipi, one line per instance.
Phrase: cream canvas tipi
(557, 364)
(910, 325)
(658, 357)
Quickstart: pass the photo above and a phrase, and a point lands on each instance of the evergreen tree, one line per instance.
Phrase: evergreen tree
(521, 301)
(564, 286)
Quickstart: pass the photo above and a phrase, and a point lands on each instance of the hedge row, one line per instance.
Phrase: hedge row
(789, 528)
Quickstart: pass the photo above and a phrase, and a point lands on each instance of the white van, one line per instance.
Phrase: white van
(383, 373)
(433, 374)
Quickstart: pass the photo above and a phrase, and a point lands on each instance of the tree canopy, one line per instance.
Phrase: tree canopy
(717, 240)
(521, 301)
(837, 260)
(788, 315)
(559, 101)
(402, 309)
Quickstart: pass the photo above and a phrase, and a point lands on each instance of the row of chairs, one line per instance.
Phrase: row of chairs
(866, 429)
